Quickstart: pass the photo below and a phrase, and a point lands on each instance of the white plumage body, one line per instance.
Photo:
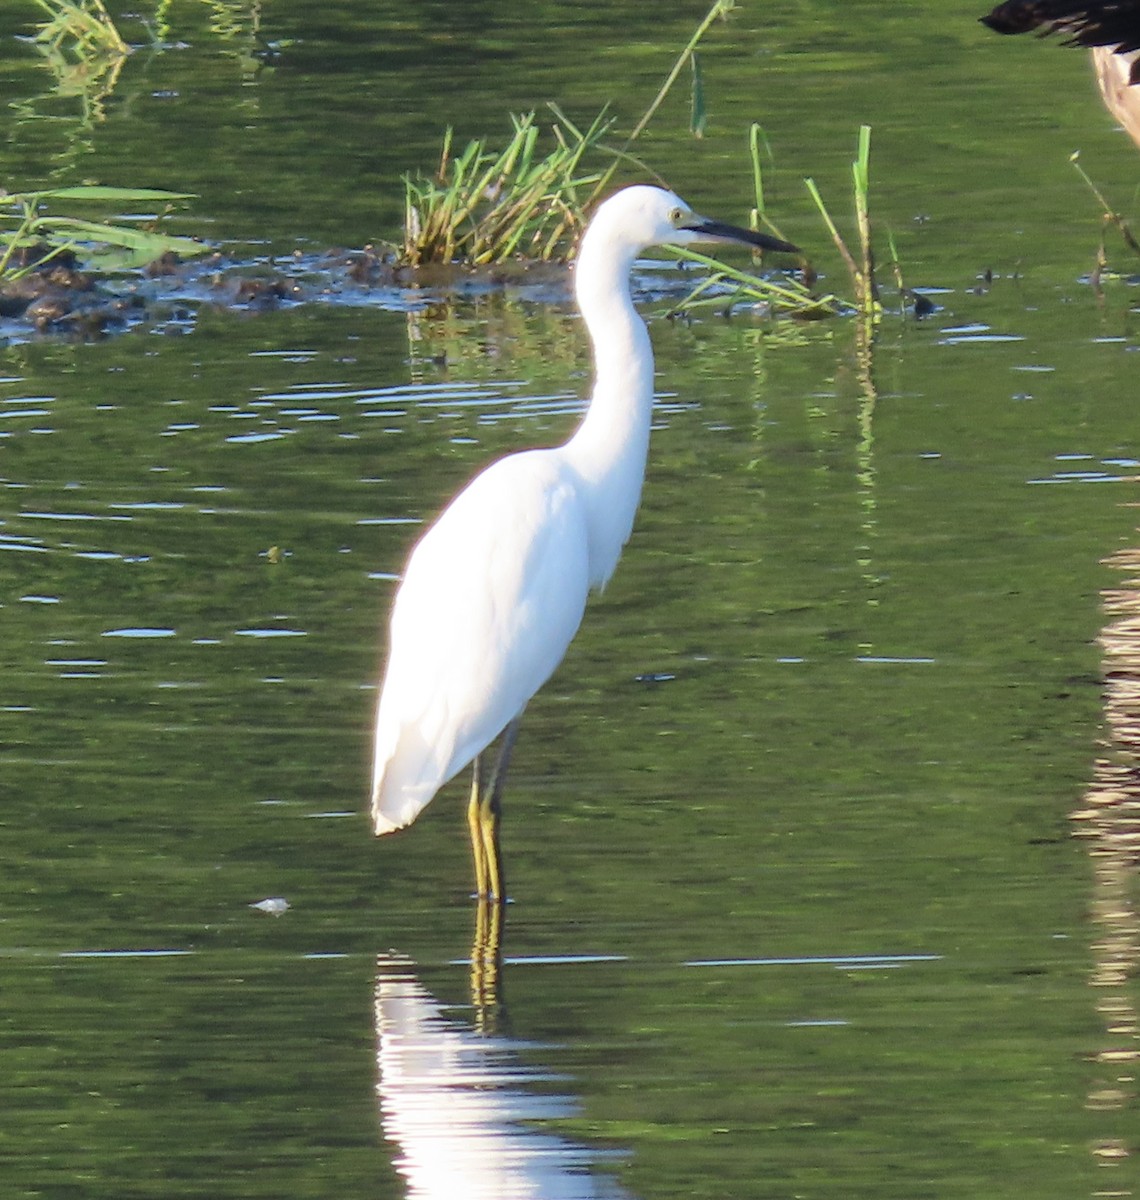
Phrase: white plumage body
(494, 591)
(492, 596)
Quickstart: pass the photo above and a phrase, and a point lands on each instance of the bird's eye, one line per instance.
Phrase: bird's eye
(677, 216)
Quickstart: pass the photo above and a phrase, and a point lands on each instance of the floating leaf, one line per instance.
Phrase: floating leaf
(108, 245)
(111, 195)
(145, 240)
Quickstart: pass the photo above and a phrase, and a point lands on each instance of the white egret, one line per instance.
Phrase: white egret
(1110, 28)
(495, 589)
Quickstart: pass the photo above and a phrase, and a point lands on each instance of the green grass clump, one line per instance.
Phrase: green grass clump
(726, 286)
(484, 206)
(488, 206)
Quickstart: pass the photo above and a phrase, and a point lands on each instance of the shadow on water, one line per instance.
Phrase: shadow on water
(1110, 821)
(457, 1100)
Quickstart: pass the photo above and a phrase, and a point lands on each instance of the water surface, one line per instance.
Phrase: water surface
(796, 908)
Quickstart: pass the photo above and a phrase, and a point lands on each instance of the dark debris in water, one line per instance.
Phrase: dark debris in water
(53, 297)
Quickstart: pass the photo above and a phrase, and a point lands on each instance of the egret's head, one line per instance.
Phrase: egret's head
(642, 216)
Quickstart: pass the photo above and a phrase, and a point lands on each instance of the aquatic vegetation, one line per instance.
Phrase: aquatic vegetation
(38, 236)
(485, 206)
(1109, 216)
(84, 51)
(721, 9)
(63, 273)
(725, 286)
(861, 266)
(79, 29)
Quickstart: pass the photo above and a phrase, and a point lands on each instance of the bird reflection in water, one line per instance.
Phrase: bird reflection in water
(461, 1105)
(1109, 819)
(486, 961)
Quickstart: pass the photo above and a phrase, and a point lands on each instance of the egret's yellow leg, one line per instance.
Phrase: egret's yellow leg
(484, 812)
(474, 827)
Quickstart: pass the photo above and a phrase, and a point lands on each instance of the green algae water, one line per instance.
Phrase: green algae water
(796, 905)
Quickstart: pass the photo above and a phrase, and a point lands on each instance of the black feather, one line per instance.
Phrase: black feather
(1114, 23)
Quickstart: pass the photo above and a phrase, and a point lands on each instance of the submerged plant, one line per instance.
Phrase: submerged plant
(37, 236)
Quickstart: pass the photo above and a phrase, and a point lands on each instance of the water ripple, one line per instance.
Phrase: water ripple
(139, 631)
(863, 961)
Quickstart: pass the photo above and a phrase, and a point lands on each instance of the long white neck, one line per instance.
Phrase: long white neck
(609, 448)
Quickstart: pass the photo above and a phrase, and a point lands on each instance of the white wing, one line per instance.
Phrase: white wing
(492, 596)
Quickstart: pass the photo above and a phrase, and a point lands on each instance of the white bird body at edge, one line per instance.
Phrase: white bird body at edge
(495, 590)
(1120, 94)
